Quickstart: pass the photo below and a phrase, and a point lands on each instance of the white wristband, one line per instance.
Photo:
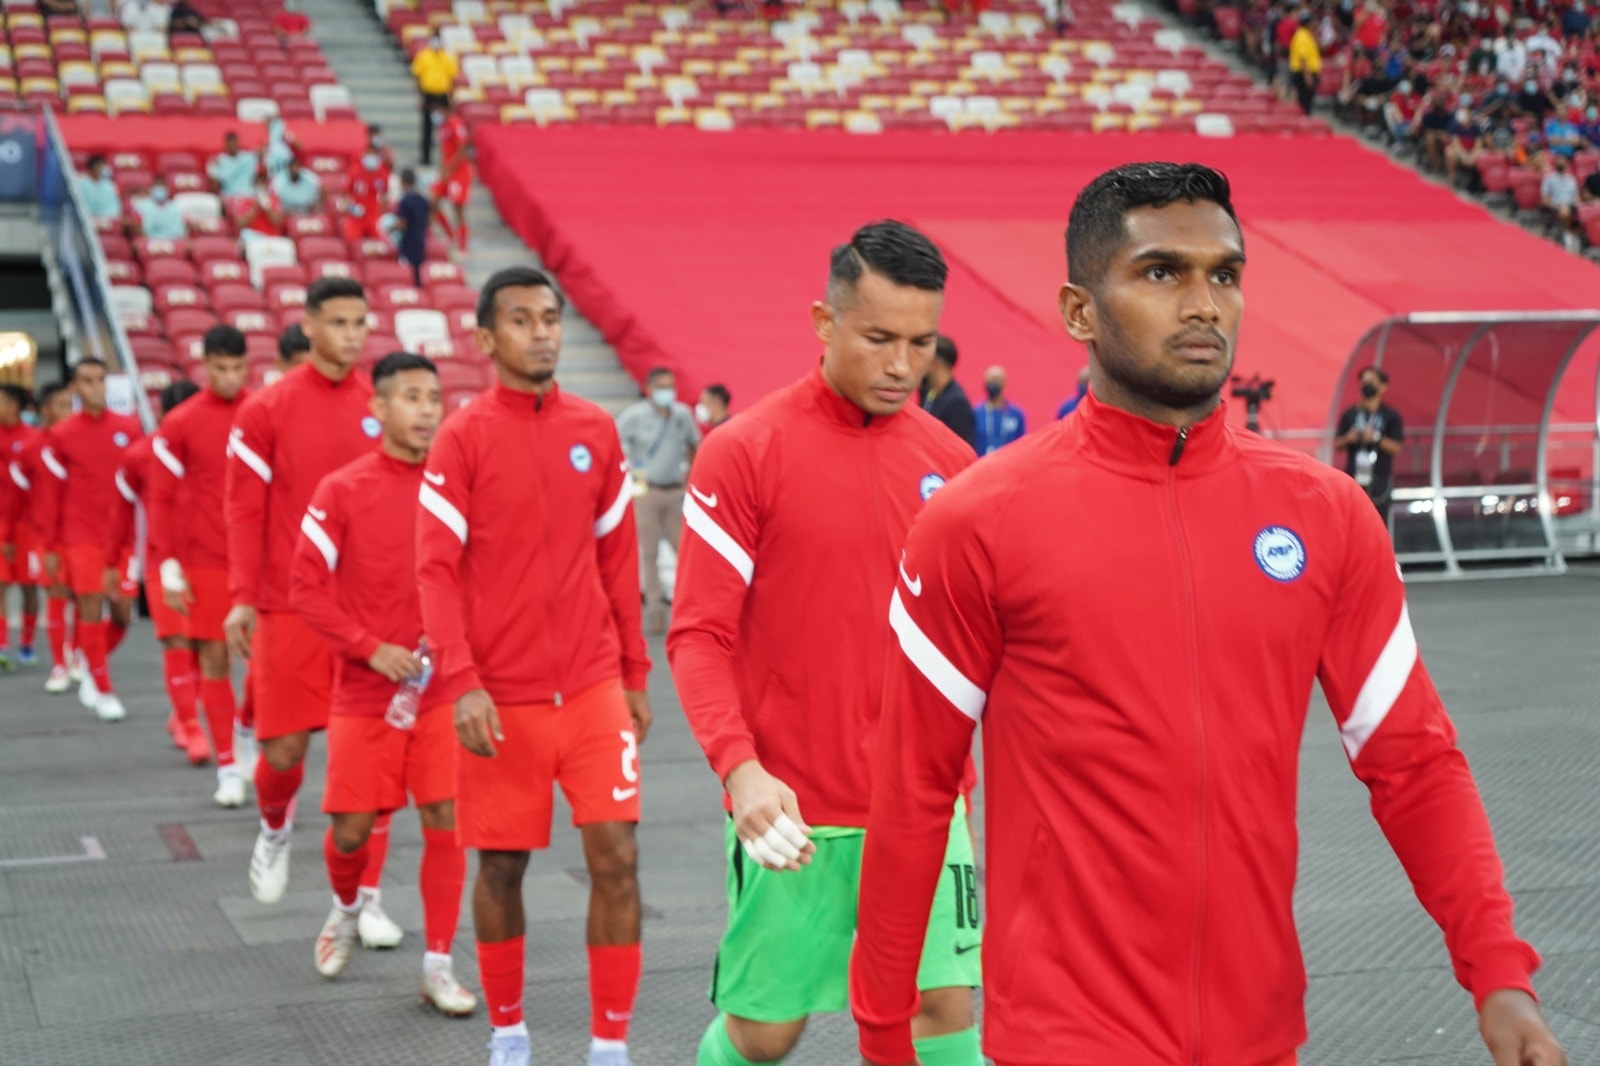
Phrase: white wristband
(172, 579)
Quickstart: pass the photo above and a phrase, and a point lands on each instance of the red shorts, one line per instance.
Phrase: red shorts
(26, 565)
(168, 623)
(456, 189)
(292, 671)
(363, 228)
(586, 746)
(372, 765)
(208, 588)
(87, 571)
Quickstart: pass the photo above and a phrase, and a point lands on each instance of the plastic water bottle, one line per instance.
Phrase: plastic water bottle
(402, 712)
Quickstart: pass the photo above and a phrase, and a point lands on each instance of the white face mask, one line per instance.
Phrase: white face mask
(665, 397)
(702, 413)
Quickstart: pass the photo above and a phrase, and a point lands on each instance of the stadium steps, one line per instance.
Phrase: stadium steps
(364, 55)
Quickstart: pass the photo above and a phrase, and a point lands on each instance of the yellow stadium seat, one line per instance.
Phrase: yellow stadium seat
(512, 114)
(641, 81)
(673, 116)
(1145, 122)
(1046, 105)
(553, 63)
(713, 118)
(611, 50)
(86, 105)
(619, 97)
(959, 88)
(875, 102)
(927, 88)
(733, 68)
(700, 68)
(906, 104)
(823, 118)
(763, 101)
(589, 65)
(1109, 120)
(727, 100)
(1017, 104)
(583, 96)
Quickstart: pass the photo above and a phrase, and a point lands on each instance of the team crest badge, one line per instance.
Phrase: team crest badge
(120, 439)
(930, 484)
(580, 458)
(1280, 553)
(371, 427)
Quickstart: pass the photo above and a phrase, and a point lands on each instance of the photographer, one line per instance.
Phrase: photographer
(1370, 434)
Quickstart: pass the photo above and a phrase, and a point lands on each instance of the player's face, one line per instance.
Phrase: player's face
(338, 331)
(410, 406)
(525, 338)
(877, 347)
(10, 413)
(1162, 325)
(90, 384)
(225, 374)
(59, 406)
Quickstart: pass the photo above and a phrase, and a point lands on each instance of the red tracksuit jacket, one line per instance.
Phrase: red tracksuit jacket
(185, 499)
(79, 503)
(133, 483)
(285, 440)
(352, 575)
(527, 558)
(27, 472)
(794, 522)
(1137, 622)
(14, 481)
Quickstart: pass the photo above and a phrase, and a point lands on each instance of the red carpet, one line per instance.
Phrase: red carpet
(703, 252)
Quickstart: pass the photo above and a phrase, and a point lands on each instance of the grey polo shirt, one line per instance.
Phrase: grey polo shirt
(658, 445)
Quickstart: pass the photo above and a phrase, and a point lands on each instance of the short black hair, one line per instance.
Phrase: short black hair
(19, 396)
(659, 372)
(324, 289)
(944, 350)
(87, 361)
(222, 339)
(1097, 226)
(176, 393)
(408, 178)
(49, 392)
(292, 341)
(721, 393)
(89, 163)
(398, 363)
(1378, 371)
(891, 249)
(519, 277)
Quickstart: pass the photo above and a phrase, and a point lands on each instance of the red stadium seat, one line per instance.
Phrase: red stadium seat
(286, 297)
(309, 226)
(181, 321)
(380, 321)
(442, 348)
(115, 246)
(205, 249)
(333, 267)
(435, 274)
(380, 272)
(229, 297)
(371, 248)
(449, 298)
(395, 297)
(286, 274)
(124, 272)
(250, 321)
(461, 375)
(149, 248)
(379, 345)
(224, 271)
(168, 298)
(310, 249)
(169, 271)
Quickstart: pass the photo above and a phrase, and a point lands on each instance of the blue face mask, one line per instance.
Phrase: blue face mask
(663, 397)
(30, 418)
(159, 195)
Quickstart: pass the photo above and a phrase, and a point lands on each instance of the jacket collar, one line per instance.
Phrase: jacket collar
(526, 403)
(817, 396)
(1148, 450)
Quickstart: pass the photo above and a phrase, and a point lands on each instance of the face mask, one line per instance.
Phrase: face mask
(377, 142)
(1530, 87)
(663, 397)
(994, 389)
(702, 413)
(30, 418)
(1594, 113)
(1404, 87)
(158, 195)
(370, 161)
(1368, 390)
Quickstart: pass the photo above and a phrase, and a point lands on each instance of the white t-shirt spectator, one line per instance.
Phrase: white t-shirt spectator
(234, 174)
(1559, 189)
(100, 198)
(160, 219)
(142, 15)
(298, 197)
(1513, 62)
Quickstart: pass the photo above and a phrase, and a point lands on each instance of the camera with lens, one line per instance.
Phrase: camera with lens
(1254, 391)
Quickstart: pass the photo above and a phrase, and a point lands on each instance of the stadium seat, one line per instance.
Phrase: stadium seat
(415, 326)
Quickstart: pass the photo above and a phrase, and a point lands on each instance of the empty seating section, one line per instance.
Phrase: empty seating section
(861, 65)
(240, 68)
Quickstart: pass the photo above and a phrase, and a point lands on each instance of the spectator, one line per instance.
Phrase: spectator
(1464, 144)
(1591, 128)
(998, 420)
(233, 171)
(1305, 62)
(290, 21)
(263, 215)
(298, 190)
(59, 8)
(294, 348)
(185, 18)
(712, 410)
(943, 397)
(412, 215)
(1558, 193)
(1591, 187)
(99, 190)
(377, 143)
(1070, 404)
(436, 71)
(1371, 26)
(366, 197)
(279, 150)
(1511, 59)
(1370, 434)
(1401, 112)
(1562, 135)
(142, 16)
(1534, 101)
(158, 216)
(659, 438)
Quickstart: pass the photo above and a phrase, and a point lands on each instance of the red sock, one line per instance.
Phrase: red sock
(178, 665)
(217, 699)
(613, 984)
(275, 791)
(500, 972)
(115, 631)
(444, 871)
(55, 630)
(30, 627)
(92, 639)
(74, 637)
(377, 853)
(461, 235)
(247, 707)
(344, 871)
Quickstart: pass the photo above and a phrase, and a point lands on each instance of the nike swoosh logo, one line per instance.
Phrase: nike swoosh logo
(621, 794)
(962, 949)
(914, 586)
(437, 479)
(709, 501)
(613, 1016)
(320, 516)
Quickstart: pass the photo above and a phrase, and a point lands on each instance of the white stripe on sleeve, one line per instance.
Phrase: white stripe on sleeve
(444, 511)
(931, 663)
(1382, 686)
(319, 536)
(125, 488)
(720, 541)
(52, 464)
(608, 522)
(247, 455)
(164, 453)
(19, 478)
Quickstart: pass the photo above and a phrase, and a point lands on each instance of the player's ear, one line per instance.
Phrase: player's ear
(376, 405)
(1077, 312)
(485, 340)
(822, 321)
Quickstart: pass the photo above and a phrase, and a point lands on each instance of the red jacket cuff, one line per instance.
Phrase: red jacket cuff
(635, 675)
(1505, 968)
(732, 754)
(459, 684)
(364, 648)
(887, 1043)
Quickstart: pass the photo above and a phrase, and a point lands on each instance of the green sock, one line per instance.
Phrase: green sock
(716, 1047)
(950, 1049)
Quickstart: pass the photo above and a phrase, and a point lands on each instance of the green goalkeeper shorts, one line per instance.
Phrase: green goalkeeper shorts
(786, 952)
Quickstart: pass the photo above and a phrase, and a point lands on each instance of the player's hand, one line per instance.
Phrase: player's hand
(395, 663)
(175, 591)
(639, 710)
(1515, 1031)
(8, 552)
(178, 600)
(478, 723)
(52, 564)
(766, 815)
(239, 629)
